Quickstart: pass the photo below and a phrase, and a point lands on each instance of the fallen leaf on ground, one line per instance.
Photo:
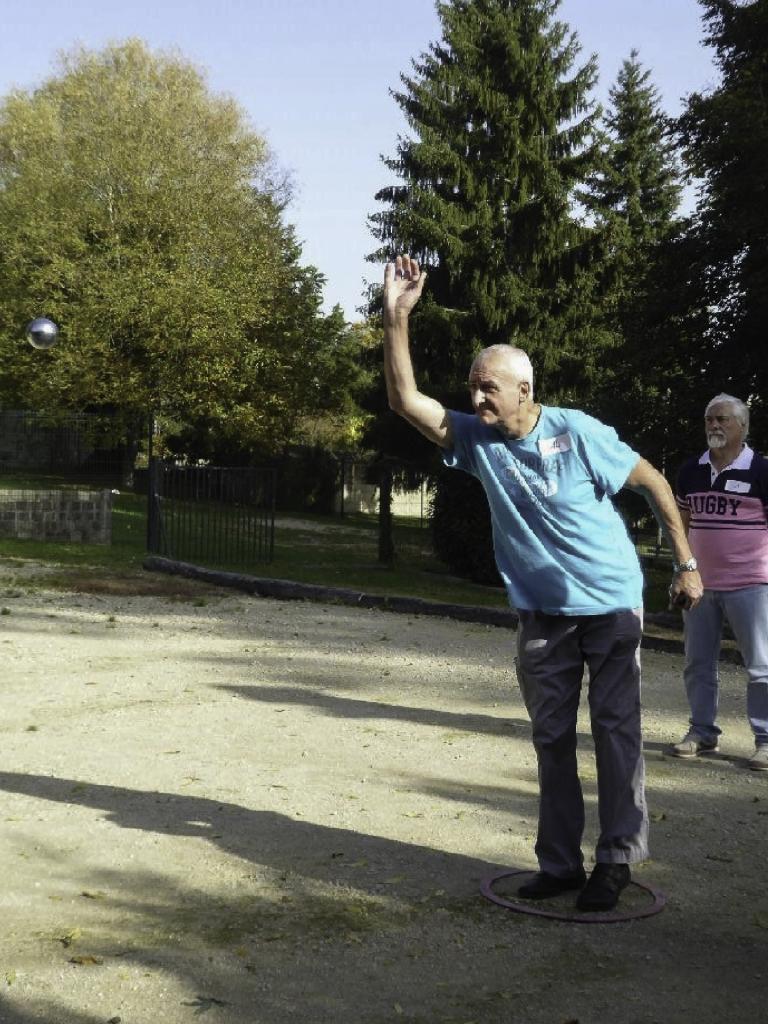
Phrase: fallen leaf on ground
(70, 937)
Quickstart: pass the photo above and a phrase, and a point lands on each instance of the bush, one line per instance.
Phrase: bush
(461, 527)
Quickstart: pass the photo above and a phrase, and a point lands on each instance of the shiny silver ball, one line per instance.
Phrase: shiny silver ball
(42, 332)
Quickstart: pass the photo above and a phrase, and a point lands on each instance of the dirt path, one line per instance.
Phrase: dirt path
(232, 809)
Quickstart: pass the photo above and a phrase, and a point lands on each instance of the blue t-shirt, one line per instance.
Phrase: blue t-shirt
(561, 546)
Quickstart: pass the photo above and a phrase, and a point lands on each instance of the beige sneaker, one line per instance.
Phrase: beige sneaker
(759, 760)
(693, 745)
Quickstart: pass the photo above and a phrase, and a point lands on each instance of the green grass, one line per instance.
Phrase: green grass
(329, 551)
(346, 555)
(335, 552)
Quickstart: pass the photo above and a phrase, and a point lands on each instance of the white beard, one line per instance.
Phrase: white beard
(716, 441)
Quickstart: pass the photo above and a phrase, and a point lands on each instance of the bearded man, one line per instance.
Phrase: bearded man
(723, 496)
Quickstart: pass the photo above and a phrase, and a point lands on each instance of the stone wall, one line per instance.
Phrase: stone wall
(64, 515)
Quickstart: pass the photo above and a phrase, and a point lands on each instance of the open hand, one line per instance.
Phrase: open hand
(403, 285)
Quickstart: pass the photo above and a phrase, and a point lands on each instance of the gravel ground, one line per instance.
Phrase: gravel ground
(247, 811)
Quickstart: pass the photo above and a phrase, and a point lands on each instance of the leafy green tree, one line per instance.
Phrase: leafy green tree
(142, 213)
(724, 133)
(340, 421)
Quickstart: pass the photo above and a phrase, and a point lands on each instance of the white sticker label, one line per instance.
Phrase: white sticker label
(739, 486)
(555, 445)
(549, 488)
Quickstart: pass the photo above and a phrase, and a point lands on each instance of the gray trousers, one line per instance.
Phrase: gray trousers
(746, 609)
(552, 653)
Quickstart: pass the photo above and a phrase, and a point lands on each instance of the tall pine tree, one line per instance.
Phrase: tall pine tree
(637, 189)
(501, 134)
(633, 200)
(725, 138)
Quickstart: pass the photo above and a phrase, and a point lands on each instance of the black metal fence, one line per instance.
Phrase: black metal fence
(71, 447)
(211, 515)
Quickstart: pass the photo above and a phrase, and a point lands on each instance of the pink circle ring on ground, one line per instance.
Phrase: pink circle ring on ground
(610, 917)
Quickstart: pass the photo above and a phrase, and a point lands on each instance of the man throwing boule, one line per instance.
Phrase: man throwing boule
(571, 573)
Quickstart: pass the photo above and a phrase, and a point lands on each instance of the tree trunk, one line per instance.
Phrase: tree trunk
(386, 542)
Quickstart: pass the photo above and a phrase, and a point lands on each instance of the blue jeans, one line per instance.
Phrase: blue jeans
(552, 653)
(746, 610)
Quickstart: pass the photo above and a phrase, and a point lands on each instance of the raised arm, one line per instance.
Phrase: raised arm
(686, 589)
(403, 284)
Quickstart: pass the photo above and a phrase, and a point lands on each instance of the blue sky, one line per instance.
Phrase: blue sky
(314, 77)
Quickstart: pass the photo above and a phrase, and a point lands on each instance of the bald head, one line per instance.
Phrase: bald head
(501, 389)
(512, 362)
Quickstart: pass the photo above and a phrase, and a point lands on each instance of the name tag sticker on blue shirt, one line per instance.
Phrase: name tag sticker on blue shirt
(739, 486)
(554, 445)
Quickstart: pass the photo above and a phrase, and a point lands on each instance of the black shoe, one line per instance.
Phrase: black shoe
(604, 887)
(543, 885)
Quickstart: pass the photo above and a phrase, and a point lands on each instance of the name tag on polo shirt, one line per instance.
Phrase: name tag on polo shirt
(555, 445)
(739, 486)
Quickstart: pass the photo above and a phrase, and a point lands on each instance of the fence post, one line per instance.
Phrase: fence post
(153, 507)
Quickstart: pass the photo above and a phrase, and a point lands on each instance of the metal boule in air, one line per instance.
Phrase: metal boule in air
(42, 332)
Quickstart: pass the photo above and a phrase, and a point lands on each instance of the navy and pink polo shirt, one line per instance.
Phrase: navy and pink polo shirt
(728, 530)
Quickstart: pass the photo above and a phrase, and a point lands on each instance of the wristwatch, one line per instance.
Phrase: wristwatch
(690, 565)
